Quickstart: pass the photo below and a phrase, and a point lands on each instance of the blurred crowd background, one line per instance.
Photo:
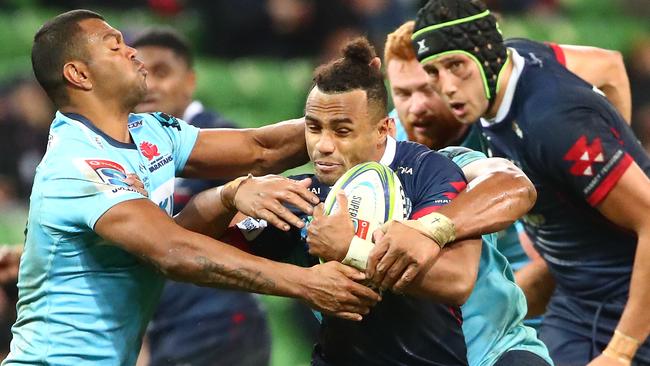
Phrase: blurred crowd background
(254, 63)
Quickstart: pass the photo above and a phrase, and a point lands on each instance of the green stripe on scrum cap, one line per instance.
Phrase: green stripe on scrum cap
(450, 23)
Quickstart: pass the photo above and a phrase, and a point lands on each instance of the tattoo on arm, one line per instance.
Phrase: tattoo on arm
(240, 278)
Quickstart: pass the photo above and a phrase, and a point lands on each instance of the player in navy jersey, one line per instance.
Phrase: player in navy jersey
(420, 115)
(346, 124)
(590, 221)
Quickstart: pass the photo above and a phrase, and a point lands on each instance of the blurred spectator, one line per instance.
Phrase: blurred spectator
(522, 6)
(195, 325)
(25, 118)
(639, 71)
(271, 28)
(9, 261)
(380, 17)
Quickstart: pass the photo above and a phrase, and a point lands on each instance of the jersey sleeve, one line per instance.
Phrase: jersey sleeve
(78, 189)
(580, 150)
(183, 137)
(437, 181)
(462, 156)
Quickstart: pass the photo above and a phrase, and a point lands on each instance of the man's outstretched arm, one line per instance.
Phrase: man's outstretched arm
(229, 153)
(627, 205)
(143, 229)
(498, 193)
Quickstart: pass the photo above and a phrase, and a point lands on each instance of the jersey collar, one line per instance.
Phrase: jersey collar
(389, 153)
(88, 124)
(518, 64)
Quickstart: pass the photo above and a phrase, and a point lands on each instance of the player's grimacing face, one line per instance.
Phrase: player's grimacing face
(457, 79)
(170, 81)
(422, 112)
(338, 132)
(115, 70)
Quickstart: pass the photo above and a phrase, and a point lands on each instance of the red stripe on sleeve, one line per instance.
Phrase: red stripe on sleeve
(610, 181)
(559, 53)
(424, 211)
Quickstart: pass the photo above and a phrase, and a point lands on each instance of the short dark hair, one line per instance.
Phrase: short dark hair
(166, 38)
(55, 43)
(353, 71)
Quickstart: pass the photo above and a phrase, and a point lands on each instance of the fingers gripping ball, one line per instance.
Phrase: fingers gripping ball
(375, 196)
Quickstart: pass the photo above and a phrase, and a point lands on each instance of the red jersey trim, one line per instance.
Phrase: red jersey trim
(424, 211)
(559, 52)
(610, 181)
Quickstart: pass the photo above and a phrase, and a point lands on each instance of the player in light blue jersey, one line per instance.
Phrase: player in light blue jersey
(96, 249)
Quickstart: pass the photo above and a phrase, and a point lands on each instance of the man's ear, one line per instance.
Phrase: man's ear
(77, 74)
(392, 128)
(375, 63)
(384, 126)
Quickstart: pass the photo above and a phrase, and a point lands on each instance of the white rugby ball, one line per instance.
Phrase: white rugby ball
(375, 196)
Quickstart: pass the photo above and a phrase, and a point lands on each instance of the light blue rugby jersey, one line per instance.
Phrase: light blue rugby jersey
(494, 313)
(82, 300)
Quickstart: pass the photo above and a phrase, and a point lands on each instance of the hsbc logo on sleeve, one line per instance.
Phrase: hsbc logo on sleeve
(584, 155)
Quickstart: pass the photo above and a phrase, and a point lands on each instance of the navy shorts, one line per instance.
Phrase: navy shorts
(520, 358)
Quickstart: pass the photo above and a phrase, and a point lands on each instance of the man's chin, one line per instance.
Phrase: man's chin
(327, 178)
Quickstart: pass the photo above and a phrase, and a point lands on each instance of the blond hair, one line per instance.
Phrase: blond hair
(398, 44)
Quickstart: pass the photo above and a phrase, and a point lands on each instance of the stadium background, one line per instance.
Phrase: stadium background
(254, 63)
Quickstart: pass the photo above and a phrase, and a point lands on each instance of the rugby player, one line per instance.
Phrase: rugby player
(346, 124)
(96, 250)
(420, 115)
(590, 222)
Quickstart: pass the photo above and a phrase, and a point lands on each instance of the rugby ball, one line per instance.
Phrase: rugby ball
(375, 196)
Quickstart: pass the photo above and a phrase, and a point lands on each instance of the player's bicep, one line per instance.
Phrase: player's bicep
(139, 227)
(222, 153)
(589, 63)
(628, 202)
(487, 166)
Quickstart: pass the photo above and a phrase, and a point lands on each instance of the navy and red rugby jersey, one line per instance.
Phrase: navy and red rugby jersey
(574, 146)
(400, 330)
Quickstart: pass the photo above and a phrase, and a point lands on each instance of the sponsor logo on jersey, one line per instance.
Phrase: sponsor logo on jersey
(135, 124)
(584, 155)
(159, 163)
(109, 173)
(405, 170)
(149, 150)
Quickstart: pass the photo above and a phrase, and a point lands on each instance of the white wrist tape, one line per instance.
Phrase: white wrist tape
(436, 227)
(358, 253)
